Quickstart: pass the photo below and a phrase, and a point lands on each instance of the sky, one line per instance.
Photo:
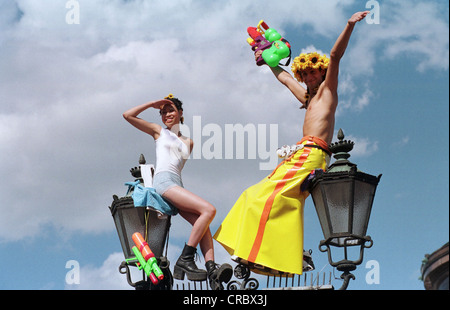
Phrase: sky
(69, 69)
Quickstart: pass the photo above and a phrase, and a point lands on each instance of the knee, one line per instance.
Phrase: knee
(210, 211)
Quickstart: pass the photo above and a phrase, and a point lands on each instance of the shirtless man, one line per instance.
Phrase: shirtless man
(321, 106)
(264, 229)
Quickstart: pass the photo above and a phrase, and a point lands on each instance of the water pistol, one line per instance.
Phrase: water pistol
(146, 258)
(268, 40)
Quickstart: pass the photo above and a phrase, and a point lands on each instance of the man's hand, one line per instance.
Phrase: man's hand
(357, 17)
(257, 54)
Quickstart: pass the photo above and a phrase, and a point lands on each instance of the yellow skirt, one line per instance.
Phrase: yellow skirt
(265, 226)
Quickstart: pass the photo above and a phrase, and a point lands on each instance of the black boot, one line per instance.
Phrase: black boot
(186, 265)
(308, 264)
(218, 274)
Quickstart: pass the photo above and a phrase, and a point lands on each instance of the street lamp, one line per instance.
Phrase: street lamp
(343, 198)
(129, 219)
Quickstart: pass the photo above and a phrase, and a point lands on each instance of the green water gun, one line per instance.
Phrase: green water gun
(268, 40)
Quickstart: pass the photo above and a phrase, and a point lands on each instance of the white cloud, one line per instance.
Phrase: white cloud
(400, 143)
(363, 100)
(363, 146)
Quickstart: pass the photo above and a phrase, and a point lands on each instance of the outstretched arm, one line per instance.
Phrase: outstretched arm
(287, 80)
(339, 48)
(151, 128)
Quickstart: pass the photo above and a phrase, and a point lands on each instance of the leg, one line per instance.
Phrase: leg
(216, 273)
(196, 211)
(199, 213)
(206, 243)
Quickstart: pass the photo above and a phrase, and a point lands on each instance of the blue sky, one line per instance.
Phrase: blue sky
(65, 149)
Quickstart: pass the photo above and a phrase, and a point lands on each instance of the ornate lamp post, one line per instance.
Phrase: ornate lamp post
(343, 198)
(129, 219)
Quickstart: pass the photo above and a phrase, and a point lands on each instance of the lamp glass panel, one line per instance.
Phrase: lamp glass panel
(131, 220)
(364, 193)
(339, 200)
(320, 206)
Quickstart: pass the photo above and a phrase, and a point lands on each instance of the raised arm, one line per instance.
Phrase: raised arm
(331, 80)
(287, 80)
(151, 128)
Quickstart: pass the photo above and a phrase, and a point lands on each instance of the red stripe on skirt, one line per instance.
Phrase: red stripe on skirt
(269, 203)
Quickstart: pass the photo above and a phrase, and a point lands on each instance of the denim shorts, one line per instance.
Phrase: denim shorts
(165, 180)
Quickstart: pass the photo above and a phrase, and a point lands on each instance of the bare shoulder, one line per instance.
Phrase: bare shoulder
(327, 95)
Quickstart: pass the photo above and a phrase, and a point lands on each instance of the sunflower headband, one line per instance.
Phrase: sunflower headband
(310, 60)
(170, 96)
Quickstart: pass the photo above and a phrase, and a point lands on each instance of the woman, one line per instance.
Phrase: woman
(172, 151)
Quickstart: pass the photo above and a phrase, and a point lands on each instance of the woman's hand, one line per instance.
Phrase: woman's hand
(159, 104)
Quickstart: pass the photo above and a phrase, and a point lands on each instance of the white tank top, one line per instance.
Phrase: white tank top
(171, 152)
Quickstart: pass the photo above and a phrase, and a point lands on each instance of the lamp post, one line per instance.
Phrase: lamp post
(343, 198)
(129, 219)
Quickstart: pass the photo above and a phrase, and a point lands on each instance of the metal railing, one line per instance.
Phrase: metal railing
(321, 281)
(243, 280)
